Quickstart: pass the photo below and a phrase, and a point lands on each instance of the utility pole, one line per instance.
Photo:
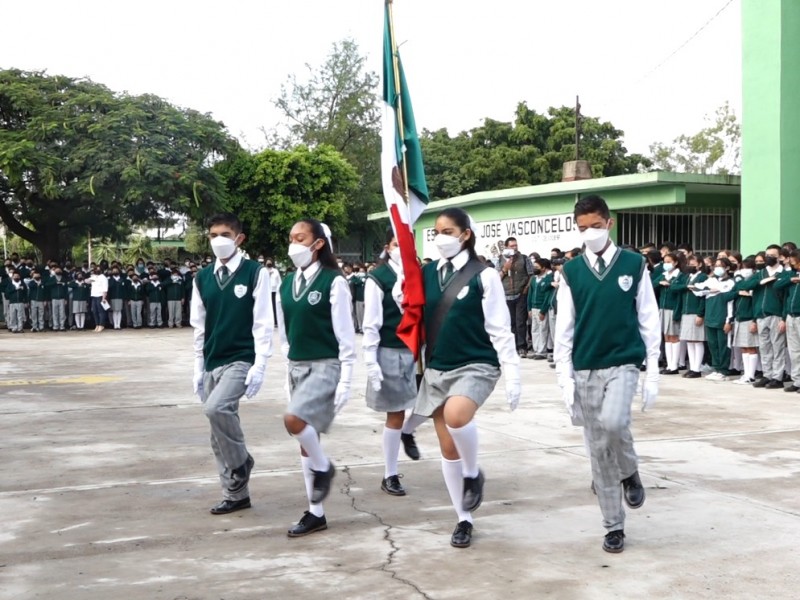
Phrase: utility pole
(577, 128)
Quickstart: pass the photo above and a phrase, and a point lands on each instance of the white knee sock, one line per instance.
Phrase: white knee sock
(308, 476)
(310, 442)
(695, 351)
(391, 448)
(412, 422)
(117, 319)
(466, 441)
(683, 350)
(454, 480)
(749, 361)
(80, 320)
(671, 350)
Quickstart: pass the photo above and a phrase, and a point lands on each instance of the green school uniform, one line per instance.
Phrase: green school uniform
(307, 317)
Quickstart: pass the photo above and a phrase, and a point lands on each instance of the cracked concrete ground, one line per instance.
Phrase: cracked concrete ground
(107, 477)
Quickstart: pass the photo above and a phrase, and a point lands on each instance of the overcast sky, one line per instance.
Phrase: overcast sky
(464, 60)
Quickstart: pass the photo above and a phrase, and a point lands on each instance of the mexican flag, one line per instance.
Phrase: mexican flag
(402, 170)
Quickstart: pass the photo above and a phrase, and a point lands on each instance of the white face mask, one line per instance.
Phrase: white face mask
(300, 254)
(223, 247)
(668, 267)
(448, 245)
(719, 271)
(595, 239)
(746, 273)
(394, 255)
(508, 252)
(340, 263)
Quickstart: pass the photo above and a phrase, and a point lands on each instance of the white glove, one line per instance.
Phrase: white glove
(197, 379)
(513, 387)
(343, 388)
(650, 386)
(374, 373)
(566, 382)
(255, 376)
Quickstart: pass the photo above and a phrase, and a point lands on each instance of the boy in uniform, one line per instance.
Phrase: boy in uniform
(59, 293)
(17, 293)
(232, 318)
(598, 352)
(155, 296)
(135, 294)
(175, 296)
(37, 295)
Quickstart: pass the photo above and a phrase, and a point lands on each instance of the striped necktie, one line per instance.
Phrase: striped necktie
(447, 272)
(223, 274)
(601, 265)
(302, 284)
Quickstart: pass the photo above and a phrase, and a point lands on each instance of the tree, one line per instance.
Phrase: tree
(714, 149)
(338, 105)
(530, 150)
(272, 190)
(75, 156)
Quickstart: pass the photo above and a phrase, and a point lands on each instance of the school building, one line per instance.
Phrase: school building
(701, 210)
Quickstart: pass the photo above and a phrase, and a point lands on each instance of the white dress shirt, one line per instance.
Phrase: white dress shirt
(263, 320)
(274, 279)
(99, 285)
(341, 316)
(373, 312)
(646, 310)
(496, 318)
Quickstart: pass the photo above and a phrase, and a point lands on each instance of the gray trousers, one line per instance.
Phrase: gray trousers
(358, 314)
(174, 313)
(6, 315)
(772, 346)
(155, 314)
(37, 315)
(222, 389)
(59, 309)
(551, 321)
(135, 306)
(540, 330)
(793, 344)
(605, 397)
(16, 318)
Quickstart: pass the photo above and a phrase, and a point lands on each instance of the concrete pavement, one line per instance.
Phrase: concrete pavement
(107, 477)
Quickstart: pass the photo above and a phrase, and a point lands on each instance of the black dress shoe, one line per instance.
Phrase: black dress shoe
(760, 383)
(594, 489)
(692, 374)
(229, 506)
(614, 541)
(633, 490)
(734, 372)
(322, 484)
(786, 377)
(462, 535)
(473, 492)
(309, 523)
(773, 384)
(391, 485)
(410, 445)
(241, 475)
(669, 372)
(791, 388)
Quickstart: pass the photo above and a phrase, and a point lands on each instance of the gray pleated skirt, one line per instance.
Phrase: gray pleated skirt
(116, 304)
(742, 338)
(79, 306)
(476, 382)
(668, 326)
(312, 388)
(399, 386)
(690, 332)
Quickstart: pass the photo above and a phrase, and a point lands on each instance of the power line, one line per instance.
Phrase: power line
(681, 47)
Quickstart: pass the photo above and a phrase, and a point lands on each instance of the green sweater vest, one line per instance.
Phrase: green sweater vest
(767, 299)
(307, 318)
(462, 338)
(385, 278)
(606, 321)
(229, 315)
(691, 304)
(539, 292)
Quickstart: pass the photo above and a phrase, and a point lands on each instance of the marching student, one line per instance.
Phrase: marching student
(468, 333)
(318, 337)
(59, 293)
(745, 332)
(693, 308)
(135, 294)
(719, 317)
(391, 369)
(232, 319)
(607, 325)
(116, 296)
(669, 305)
(80, 300)
(37, 296)
(17, 293)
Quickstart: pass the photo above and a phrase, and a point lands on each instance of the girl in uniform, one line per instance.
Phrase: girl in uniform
(692, 312)
(317, 335)
(745, 332)
(464, 352)
(719, 316)
(116, 296)
(391, 370)
(80, 300)
(669, 308)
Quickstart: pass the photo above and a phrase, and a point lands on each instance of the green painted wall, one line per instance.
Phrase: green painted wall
(770, 122)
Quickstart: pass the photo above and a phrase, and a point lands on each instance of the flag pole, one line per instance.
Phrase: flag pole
(399, 99)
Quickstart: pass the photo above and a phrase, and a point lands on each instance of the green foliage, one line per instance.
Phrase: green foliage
(272, 190)
(139, 246)
(530, 150)
(196, 241)
(715, 149)
(338, 105)
(75, 156)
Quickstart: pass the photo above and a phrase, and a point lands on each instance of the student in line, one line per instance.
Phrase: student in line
(745, 332)
(669, 303)
(693, 308)
(719, 317)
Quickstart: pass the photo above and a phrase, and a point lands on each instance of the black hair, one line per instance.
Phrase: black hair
(790, 245)
(671, 247)
(687, 247)
(227, 219)
(508, 240)
(461, 219)
(389, 236)
(325, 254)
(749, 262)
(556, 250)
(677, 258)
(774, 247)
(591, 205)
(545, 263)
(725, 263)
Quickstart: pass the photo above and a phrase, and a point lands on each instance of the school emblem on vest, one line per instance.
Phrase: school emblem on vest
(462, 293)
(314, 298)
(625, 282)
(240, 290)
